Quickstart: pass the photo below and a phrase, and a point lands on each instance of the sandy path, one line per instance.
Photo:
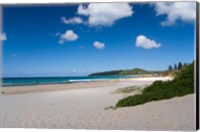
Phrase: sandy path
(84, 109)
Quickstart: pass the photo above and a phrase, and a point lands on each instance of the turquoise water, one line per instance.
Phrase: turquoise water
(54, 80)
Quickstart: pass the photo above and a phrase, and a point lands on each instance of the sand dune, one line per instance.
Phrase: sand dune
(83, 107)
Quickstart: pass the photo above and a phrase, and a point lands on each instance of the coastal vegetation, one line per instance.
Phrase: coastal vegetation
(135, 71)
(181, 85)
(171, 71)
(127, 90)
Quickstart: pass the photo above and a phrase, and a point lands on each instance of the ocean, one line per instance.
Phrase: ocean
(20, 81)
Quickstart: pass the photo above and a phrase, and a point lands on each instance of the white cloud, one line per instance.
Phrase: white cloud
(105, 14)
(98, 45)
(69, 35)
(3, 37)
(74, 20)
(146, 43)
(184, 11)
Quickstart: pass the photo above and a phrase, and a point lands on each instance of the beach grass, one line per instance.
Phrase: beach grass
(181, 85)
(127, 90)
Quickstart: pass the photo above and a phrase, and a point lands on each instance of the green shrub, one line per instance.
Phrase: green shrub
(181, 85)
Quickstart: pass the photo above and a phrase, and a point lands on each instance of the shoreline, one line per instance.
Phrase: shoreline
(139, 77)
(22, 89)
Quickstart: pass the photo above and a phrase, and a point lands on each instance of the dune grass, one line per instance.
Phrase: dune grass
(127, 90)
(181, 85)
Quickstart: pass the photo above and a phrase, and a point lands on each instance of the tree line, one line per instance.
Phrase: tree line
(177, 67)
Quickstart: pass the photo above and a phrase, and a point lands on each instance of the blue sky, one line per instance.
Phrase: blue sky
(71, 40)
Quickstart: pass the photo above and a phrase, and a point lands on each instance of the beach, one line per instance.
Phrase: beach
(87, 105)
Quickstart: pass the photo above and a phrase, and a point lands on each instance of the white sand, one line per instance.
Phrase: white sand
(85, 109)
(152, 78)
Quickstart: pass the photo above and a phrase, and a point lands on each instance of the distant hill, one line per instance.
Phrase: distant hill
(135, 71)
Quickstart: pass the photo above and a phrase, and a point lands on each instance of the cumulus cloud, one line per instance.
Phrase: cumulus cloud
(3, 37)
(69, 35)
(184, 11)
(146, 43)
(105, 14)
(74, 20)
(98, 45)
